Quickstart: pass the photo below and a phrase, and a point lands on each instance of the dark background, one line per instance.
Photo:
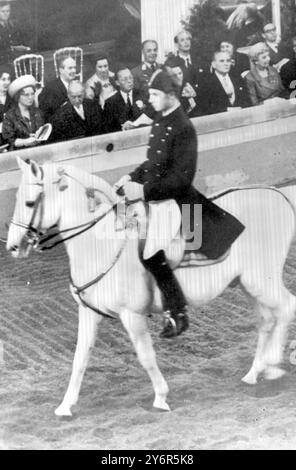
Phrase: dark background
(51, 24)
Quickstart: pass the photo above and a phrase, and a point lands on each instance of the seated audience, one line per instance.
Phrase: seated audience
(10, 39)
(190, 67)
(54, 94)
(22, 120)
(126, 105)
(188, 96)
(101, 85)
(288, 71)
(263, 81)
(143, 72)
(5, 99)
(278, 52)
(246, 23)
(240, 63)
(222, 91)
(78, 117)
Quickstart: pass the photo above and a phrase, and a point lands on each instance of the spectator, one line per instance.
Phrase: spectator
(10, 38)
(143, 72)
(246, 24)
(263, 81)
(54, 94)
(77, 118)
(126, 105)
(23, 120)
(188, 96)
(279, 53)
(240, 63)
(190, 67)
(222, 91)
(101, 85)
(288, 71)
(5, 99)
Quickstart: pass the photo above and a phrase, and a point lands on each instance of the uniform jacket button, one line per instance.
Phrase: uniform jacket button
(158, 151)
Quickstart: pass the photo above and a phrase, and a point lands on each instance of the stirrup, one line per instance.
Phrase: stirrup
(174, 324)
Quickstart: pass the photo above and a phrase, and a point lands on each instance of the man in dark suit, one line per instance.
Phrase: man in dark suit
(188, 96)
(278, 51)
(78, 117)
(126, 105)
(222, 91)
(240, 63)
(143, 72)
(288, 71)
(168, 173)
(191, 69)
(54, 94)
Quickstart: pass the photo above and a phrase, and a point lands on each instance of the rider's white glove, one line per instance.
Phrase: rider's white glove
(133, 191)
(122, 181)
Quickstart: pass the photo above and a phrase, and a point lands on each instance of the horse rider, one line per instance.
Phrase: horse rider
(168, 173)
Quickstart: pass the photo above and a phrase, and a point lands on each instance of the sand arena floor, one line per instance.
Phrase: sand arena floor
(211, 407)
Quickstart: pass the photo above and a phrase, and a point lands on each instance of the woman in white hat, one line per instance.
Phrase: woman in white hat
(23, 120)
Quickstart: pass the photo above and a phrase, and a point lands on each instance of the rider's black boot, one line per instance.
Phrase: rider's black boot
(175, 319)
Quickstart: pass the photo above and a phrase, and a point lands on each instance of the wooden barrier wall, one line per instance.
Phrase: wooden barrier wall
(253, 145)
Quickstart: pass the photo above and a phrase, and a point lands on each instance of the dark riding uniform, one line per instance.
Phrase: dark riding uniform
(168, 173)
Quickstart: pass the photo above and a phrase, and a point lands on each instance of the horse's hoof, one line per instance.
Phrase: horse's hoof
(250, 378)
(161, 405)
(274, 373)
(63, 411)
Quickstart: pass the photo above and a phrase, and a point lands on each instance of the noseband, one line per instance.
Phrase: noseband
(33, 234)
(36, 238)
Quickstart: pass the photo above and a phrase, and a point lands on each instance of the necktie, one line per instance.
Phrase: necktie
(80, 111)
(187, 63)
(228, 89)
(153, 68)
(129, 108)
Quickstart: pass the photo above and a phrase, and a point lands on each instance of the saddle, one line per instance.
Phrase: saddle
(159, 228)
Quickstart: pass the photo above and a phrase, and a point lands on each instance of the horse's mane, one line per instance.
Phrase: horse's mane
(88, 180)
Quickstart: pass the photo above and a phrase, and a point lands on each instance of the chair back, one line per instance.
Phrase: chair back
(30, 64)
(75, 53)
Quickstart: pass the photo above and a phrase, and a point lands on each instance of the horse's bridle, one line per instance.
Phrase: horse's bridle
(33, 234)
(35, 238)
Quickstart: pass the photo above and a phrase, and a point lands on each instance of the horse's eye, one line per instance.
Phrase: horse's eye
(30, 204)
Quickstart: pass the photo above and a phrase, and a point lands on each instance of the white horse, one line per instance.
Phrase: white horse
(113, 278)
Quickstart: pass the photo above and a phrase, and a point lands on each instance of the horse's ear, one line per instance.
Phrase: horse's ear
(23, 165)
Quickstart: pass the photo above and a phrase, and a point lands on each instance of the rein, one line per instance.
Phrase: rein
(36, 238)
(78, 290)
(90, 193)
